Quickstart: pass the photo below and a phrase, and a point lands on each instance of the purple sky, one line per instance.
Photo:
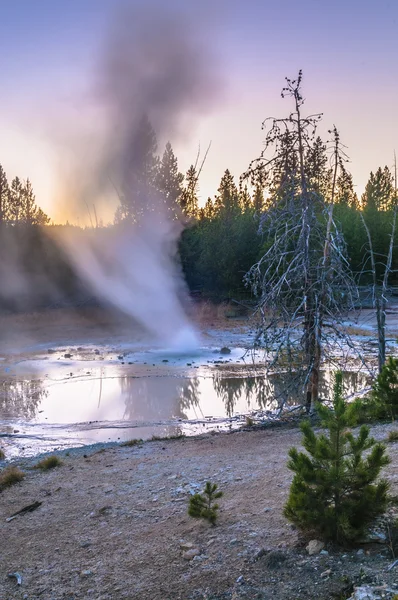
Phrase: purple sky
(348, 52)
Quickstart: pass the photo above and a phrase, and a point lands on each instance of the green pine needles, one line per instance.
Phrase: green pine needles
(384, 395)
(334, 492)
(203, 505)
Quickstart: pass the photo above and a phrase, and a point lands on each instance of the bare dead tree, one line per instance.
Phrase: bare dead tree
(303, 280)
(380, 289)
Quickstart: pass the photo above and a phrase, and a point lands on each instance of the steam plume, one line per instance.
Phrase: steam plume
(155, 67)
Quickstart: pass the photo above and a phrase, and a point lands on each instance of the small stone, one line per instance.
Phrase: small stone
(326, 573)
(225, 350)
(190, 554)
(67, 355)
(361, 552)
(324, 553)
(186, 545)
(314, 547)
(240, 579)
(234, 542)
(86, 573)
(85, 544)
(267, 509)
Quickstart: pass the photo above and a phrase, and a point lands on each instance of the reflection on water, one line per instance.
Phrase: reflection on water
(21, 398)
(154, 399)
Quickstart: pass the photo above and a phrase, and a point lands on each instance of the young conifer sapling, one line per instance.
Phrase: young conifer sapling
(335, 493)
(204, 505)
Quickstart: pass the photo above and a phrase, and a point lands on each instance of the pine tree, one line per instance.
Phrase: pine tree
(139, 179)
(227, 200)
(169, 179)
(30, 213)
(334, 492)
(384, 395)
(316, 165)
(16, 199)
(345, 194)
(258, 199)
(379, 191)
(245, 200)
(4, 195)
(189, 196)
(203, 506)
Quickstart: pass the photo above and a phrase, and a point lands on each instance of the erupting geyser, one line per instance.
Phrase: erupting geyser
(154, 78)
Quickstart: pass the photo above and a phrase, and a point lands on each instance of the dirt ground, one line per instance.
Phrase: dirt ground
(112, 525)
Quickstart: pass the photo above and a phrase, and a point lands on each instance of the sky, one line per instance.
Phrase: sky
(348, 51)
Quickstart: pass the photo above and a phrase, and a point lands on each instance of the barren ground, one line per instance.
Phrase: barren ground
(112, 522)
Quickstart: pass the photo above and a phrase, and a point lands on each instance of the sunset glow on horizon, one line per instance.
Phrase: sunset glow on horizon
(348, 53)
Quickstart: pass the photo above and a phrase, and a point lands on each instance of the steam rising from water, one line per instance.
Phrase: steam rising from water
(154, 67)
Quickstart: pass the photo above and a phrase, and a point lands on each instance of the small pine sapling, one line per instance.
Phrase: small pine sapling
(384, 395)
(203, 506)
(334, 492)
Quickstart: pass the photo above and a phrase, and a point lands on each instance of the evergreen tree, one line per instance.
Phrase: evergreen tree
(258, 199)
(189, 196)
(384, 395)
(139, 179)
(245, 201)
(202, 506)
(317, 171)
(169, 179)
(4, 195)
(227, 200)
(334, 492)
(345, 194)
(379, 191)
(16, 200)
(30, 213)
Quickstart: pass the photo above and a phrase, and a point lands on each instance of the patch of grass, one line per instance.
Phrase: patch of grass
(392, 436)
(132, 443)
(9, 476)
(2, 455)
(158, 438)
(48, 463)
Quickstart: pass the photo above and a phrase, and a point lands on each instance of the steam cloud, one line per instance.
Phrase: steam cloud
(156, 67)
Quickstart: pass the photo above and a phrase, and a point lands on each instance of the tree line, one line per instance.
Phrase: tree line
(227, 235)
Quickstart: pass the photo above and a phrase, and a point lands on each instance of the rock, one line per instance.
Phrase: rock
(190, 554)
(67, 355)
(240, 579)
(186, 545)
(274, 559)
(364, 592)
(86, 573)
(324, 553)
(225, 350)
(314, 547)
(326, 573)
